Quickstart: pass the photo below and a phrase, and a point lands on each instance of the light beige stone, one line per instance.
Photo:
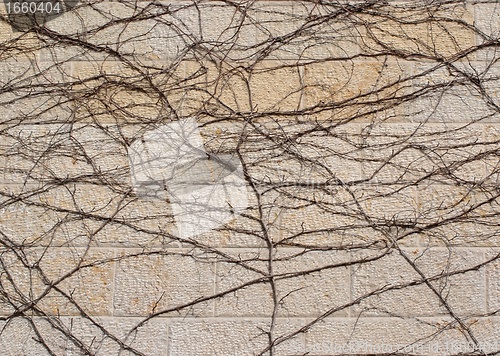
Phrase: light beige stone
(240, 337)
(493, 280)
(84, 279)
(352, 90)
(438, 32)
(283, 31)
(149, 283)
(389, 278)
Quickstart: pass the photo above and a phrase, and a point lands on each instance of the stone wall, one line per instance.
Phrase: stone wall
(368, 133)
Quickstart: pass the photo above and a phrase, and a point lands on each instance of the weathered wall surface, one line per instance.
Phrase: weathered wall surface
(369, 135)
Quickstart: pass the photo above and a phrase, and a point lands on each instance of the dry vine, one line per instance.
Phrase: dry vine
(368, 133)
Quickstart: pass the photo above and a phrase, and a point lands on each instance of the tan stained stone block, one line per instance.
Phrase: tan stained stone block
(83, 277)
(353, 90)
(151, 282)
(269, 86)
(204, 86)
(127, 98)
(275, 88)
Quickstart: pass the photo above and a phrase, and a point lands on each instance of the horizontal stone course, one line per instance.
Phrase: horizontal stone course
(359, 180)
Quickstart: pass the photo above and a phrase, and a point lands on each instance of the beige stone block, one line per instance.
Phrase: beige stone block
(491, 84)
(399, 290)
(33, 93)
(491, 138)
(202, 86)
(224, 137)
(60, 281)
(117, 336)
(438, 202)
(255, 299)
(266, 87)
(168, 31)
(149, 217)
(301, 155)
(487, 19)
(218, 28)
(17, 42)
(35, 155)
(85, 214)
(388, 204)
(353, 90)
(103, 30)
(474, 232)
(231, 337)
(152, 282)
(451, 105)
(20, 173)
(301, 31)
(128, 99)
(253, 227)
(113, 336)
(71, 215)
(311, 224)
(306, 285)
(391, 155)
(343, 336)
(275, 87)
(422, 336)
(313, 283)
(493, 280)
(19, 337)
(43, 107)
(242, 232)
(401, 154)
(431, 31)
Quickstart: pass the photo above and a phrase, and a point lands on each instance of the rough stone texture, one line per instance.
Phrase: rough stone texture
(462, 292)
(149, 283)
(386, 335)
(241, 337)
(19, 339)
(416, 35)
(352, 162)
(493, 280)
(88, 289)
(321, 286)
